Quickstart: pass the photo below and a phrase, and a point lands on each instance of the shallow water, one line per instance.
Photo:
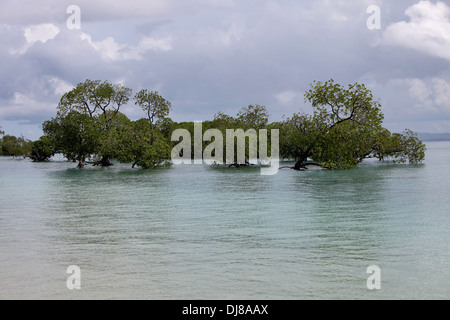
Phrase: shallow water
(200, 232)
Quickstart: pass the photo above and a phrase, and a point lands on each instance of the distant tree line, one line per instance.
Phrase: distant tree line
(14, 146)
(344, 129)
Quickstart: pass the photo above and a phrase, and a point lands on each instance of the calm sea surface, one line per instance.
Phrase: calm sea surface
(200, 232)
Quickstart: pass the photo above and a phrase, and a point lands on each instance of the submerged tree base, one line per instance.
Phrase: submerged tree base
(238, 165)
(104, 162)
(303, 165)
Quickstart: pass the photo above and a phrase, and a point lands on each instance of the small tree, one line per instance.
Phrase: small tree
(253, 117)
(299, 137)
(345, 128)
(155, 106)
(76, 135)
(15, 146)
(144, 146)
(404, 147)
(110, 139)
(96, 99)
(42, 149)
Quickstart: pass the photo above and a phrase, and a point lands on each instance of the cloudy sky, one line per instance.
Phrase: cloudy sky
(207, 56)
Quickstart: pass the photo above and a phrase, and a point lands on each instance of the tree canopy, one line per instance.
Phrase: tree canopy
(42, 149)
(14, 146)
(100, 100)
(345, 127)
(89, 124)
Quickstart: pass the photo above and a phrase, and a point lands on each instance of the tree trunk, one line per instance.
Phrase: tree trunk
(302, 164)
(104, 162)
(299, 165)
(80, 163)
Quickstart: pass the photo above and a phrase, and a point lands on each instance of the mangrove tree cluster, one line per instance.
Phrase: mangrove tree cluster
(14, 146)
(345, 127)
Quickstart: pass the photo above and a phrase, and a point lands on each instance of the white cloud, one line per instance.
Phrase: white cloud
(419, 90)
(42, 32)
(421, 104)
(441, 91)
(428, 30)
(430, 96)
(60, 86)
(286, 97)
(225, 53)
(148, 43)
(110, 50)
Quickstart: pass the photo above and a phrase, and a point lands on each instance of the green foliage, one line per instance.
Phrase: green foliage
(402, 148)
(80, 99)
(154, 105)
(143, 146)
(42, 149)
(94, 97)
(76, 135)
(89, 124)
(345, 128)
(15, 146)
(300, 136)
(253, 117)
(335, 104)
(413, 149)
(110, 131)
(101, 100)
(250, 120)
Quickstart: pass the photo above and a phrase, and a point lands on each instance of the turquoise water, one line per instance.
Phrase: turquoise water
(199, 232)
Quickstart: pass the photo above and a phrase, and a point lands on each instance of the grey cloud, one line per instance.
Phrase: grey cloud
(223, 55)
(426, 31)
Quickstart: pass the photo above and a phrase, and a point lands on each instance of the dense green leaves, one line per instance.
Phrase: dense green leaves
(402, 147)
(42, 149)
(154, 105)
(89, 124)
(244, 130)
(15, 146)
(344, 129)
(101, 100)
(111, 126)
(94, 97)
(253, 117)
(143, 146)
(76, 135)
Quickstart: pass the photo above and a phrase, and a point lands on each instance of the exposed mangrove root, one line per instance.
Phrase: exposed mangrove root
(104, 162)
(303, 165)
(238, 165)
